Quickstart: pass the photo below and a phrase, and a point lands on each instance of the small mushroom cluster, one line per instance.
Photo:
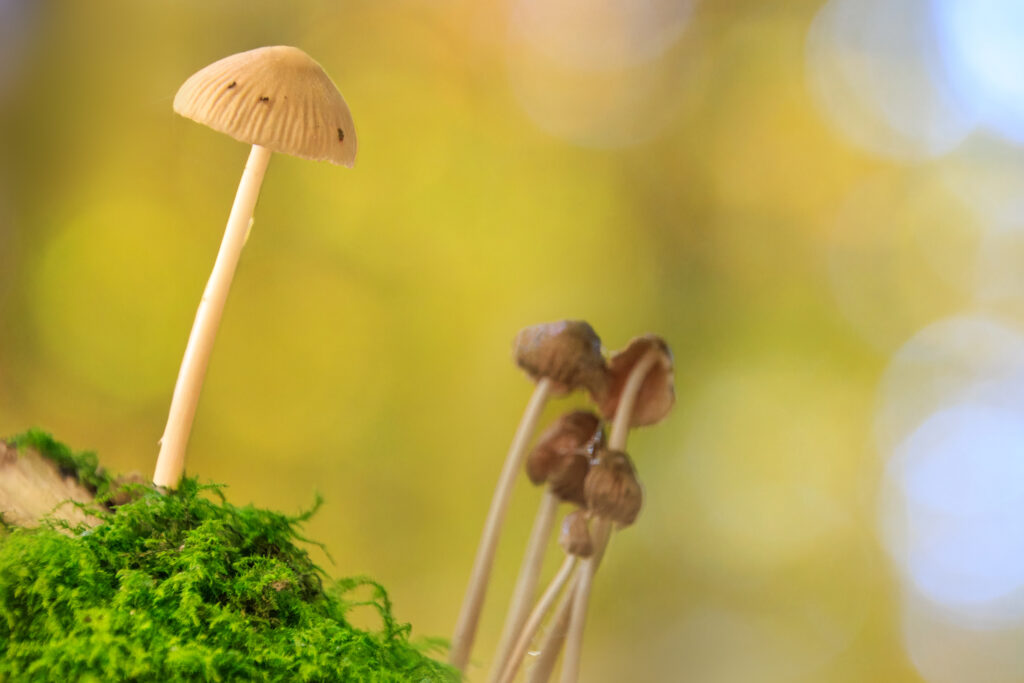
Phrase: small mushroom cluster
(579, 465)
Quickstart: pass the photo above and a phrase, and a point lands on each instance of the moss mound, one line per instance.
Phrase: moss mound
(184, 586)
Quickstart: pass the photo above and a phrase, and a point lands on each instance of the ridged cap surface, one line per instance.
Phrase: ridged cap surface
(611, 488)
(567, 352)
(277, 97)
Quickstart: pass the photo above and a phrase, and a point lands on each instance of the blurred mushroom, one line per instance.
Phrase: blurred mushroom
(611, 488)
(649, 361)
(507, 672)
(279, 100)
(566, 479)
(575, 537)
(576, 542)
(560, 357)
(640, 392)
(571, 432)
(561, 457)
(568, 353)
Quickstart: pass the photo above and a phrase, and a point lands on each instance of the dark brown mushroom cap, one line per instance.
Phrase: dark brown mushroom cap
(568, 476)
(567, 352)
(277, 97)
(657, 394)
(570, 432)
(611, 488)
(575, 536)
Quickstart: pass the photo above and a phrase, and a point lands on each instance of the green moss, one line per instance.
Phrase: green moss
(186, 586)
(83, 466)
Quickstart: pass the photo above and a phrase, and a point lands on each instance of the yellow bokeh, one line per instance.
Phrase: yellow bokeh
(646, 166)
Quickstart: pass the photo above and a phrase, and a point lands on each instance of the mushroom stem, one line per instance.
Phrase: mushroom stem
(170, 463)
(624, 412)
(551, 645)
(472, 603)
(601, 531)
(602, 527)
(526, 584)
(531, 625)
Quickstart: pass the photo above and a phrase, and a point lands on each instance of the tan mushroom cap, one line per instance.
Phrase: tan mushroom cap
(657, 394)
(276, 97)
(567, 352)
(612, 490)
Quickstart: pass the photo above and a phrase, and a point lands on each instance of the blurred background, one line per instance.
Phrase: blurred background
(820, 205)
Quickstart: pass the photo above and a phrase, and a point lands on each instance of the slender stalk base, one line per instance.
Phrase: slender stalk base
(526, 584)
(602, 528)
(473, 602)
(170, 464)
(551, 645)
(601, 532)
(533, 622)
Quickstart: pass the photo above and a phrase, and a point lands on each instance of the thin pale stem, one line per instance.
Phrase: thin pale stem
(627, 400)
(473, 602)
(526, 584)
(601, 532)
(170, 464)
(529, 629)
(551, 644)
(602, 528)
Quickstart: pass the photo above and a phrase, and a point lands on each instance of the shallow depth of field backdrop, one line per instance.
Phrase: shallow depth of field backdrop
(820, 205)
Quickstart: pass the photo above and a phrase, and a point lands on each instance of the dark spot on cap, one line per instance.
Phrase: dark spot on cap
(341, 135)
(231, 85)
(264, 98)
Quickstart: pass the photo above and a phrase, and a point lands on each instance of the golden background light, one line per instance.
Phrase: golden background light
(828, 251)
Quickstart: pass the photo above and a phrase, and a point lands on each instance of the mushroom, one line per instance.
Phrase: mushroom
(568, 353)
(613, 495)
(580, 429)
(575, 537)
(565, 482)
(561, 458)
(640, 392)
(611, 489)
(560, 357)
(532, 623)
(646, 361)
(279, 100)
(576, 542)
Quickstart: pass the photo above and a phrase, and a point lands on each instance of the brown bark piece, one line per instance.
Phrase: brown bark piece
(31, 488)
